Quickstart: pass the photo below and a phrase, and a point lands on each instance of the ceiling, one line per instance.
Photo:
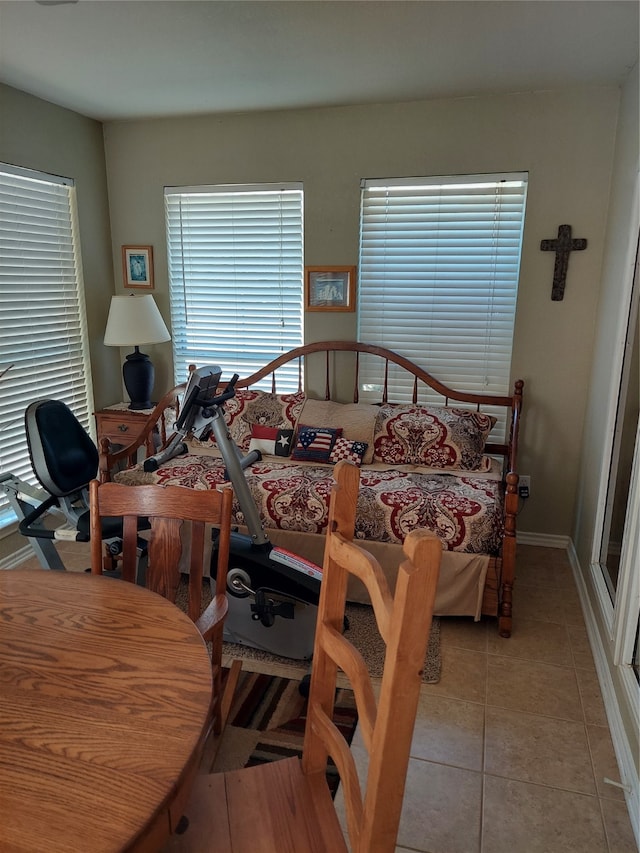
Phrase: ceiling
(123, 59)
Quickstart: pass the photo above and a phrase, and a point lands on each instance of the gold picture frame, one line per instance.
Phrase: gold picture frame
(330, 288)
(137, 267)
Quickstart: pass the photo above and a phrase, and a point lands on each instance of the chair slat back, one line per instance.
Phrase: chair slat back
(404, 622)
(168, 509)
(178, 517)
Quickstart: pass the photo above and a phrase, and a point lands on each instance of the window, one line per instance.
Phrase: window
(43, 340)
(235, 274)
(439, 265)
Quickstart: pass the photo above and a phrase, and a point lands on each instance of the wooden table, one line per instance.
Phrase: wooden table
(104, 693)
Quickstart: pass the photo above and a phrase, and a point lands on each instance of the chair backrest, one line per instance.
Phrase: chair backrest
(63, 456)
(168, 508)
(404, 622)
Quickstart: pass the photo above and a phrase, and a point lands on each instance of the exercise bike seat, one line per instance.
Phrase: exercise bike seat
(64, 459)
(63, 456)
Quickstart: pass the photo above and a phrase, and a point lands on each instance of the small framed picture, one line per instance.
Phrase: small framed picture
(137, 266)
(330, 288)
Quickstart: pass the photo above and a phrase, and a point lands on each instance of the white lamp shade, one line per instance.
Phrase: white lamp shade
(134, 320)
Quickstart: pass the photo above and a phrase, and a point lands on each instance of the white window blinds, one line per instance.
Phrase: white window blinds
(42, 311)
(235, 272)
(438, 275)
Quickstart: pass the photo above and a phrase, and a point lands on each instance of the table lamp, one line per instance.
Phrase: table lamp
(133, 321)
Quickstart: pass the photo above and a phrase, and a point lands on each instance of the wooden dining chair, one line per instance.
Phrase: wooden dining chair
(286, 806)
(177, 521)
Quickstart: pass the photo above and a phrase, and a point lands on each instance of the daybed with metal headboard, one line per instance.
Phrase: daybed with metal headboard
(423, 464)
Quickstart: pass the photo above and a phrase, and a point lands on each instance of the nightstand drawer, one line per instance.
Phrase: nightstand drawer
(116, 430)
(120, 426)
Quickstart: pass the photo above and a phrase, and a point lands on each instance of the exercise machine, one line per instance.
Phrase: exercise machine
(273, 594)
(64, 459)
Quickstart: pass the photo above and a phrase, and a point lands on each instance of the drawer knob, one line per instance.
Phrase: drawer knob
(123, 427)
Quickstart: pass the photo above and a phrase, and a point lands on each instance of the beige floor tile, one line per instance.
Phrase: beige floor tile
(449, 731)
(546, 642)
(31, 563)
(584, 660)
(573, 614)
(464, 676)
(544, 750)
(591, 695)
(75, 556)
(537, 602)
(579, 641)
(539, 566)
(618, 827)
(534, 555)
(567, 592)
(535, 573)
(77, 564)
(519, 817)
(564, 579)
(604, 762)
(463, 633)
(441, 809)
(538, 688)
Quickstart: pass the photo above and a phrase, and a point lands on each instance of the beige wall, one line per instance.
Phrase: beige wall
(39, 135)
(619, 258)
(565, 141)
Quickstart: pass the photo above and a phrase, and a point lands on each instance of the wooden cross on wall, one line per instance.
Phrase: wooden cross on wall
(563, 245)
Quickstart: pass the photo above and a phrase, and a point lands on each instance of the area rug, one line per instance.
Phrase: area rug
(361, 631)
(266, 723)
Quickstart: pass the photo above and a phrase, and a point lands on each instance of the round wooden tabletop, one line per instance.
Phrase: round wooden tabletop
(104, 694)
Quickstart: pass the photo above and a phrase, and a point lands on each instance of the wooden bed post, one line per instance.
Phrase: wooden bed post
(505, 600)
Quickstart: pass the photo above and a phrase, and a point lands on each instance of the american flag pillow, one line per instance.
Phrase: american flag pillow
(315, 444)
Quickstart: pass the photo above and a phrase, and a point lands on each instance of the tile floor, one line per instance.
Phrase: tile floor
(512, 745)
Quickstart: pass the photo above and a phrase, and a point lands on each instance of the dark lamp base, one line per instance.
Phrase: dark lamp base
(138, 375)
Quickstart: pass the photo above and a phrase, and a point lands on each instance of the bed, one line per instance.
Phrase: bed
(432, 456)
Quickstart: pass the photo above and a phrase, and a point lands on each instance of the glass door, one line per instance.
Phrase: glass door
(617, 507)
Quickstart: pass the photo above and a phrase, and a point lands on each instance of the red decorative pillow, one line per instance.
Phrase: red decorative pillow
(315, 444)
(271, 440)
(346, 448)
(436, 436)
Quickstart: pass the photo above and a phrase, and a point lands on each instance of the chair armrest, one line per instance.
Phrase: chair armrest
(110, 459)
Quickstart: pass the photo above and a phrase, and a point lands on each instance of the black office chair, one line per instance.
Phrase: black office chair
(64, 460)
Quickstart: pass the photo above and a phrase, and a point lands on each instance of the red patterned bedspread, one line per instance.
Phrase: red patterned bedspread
(465, 512)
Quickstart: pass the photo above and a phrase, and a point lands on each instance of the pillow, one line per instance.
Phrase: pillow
(258, 407)
(271, 440)
(346, 448)
(357, 420)
(437, 436)
(315, 444)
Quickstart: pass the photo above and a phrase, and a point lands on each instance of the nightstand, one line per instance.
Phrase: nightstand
(121, 425)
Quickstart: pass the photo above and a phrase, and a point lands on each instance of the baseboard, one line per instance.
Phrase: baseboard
(545, 540)
(621, 745)
(17, 557)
